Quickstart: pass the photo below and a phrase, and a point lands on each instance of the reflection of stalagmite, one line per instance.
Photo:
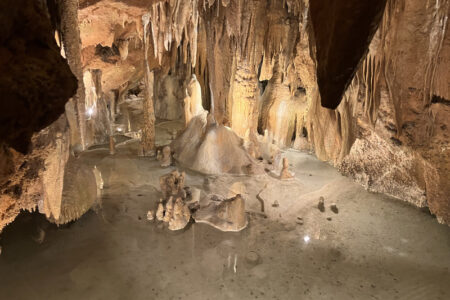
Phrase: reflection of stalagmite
(193, 100)
(98, 180)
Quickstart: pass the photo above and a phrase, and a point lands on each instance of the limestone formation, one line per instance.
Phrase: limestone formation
(223, 214)
(285, 173)
(160, 211)
(213, 149)
(250, 77)
(172, 184)
(166, 157)
(180, 215)
(193, 100)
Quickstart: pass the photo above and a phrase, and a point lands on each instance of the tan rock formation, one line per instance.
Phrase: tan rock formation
(172, 184)
(160, 211)
(193, 101)
(225, 215)
(285, 173)
(166, 157)
(181, 215)
(264, 70)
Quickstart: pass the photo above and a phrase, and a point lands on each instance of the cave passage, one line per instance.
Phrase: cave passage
(224, 149)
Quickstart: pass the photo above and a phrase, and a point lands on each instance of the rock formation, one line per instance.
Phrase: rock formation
(180, 215)
(370, 95)
(193, 100)
(166, 157)
(223, 214)
(285, 173)
(174, 209)
(172, 184)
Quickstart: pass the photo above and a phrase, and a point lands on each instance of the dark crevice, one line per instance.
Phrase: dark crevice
(438, 99)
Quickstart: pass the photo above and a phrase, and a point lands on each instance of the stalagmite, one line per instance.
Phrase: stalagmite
(160, 211)
(166, 159)
(285, 173)
(193, 101)
(168, 211)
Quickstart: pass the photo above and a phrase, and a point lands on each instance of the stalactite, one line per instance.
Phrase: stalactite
(148, 132)
(68, 10)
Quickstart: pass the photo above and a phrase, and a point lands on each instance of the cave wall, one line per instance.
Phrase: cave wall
(400, 111)
(34, 88)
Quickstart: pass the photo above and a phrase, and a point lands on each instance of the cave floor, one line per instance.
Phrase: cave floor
(375, 247)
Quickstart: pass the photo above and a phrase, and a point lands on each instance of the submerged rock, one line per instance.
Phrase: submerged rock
(252, 258)
(334, 208)
(226, 215)
(321, 204)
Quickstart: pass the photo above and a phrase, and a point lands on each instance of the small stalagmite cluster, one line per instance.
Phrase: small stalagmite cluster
(173, 208)
(179, 203)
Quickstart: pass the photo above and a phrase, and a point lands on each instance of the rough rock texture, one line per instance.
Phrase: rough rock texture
(223, 214)
(269, 66)
(34, 88)
(172, 184)
(213, 149)
(390, 132)
(36, 81)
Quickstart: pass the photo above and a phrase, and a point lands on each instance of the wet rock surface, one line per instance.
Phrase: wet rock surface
(223, 214)
(319, 259)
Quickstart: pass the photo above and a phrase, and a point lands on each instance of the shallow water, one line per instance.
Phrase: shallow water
(376, 247)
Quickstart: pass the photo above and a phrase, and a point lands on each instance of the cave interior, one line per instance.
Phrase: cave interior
(224, 149)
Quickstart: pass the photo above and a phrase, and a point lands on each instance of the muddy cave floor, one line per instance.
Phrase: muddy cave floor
(375, 247)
